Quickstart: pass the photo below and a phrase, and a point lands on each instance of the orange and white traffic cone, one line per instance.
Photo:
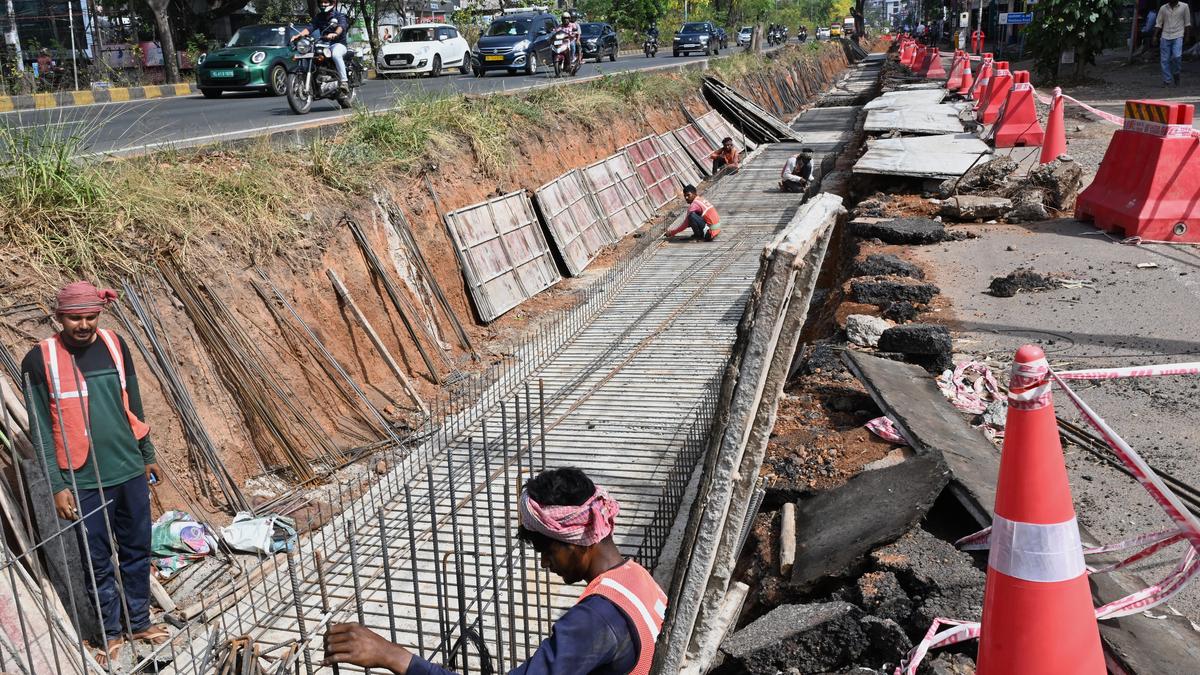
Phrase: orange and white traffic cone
(1038, 617)
(1055, 143)
(968, 81)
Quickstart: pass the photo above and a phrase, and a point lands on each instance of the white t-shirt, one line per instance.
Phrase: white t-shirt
(1173, 20)
(789, 171)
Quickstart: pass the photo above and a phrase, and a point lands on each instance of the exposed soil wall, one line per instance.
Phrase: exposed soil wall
(298, 268)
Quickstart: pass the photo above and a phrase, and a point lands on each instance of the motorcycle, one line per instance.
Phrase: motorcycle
(563, 61)
(802, 35)
(315, 75)
(650, 46)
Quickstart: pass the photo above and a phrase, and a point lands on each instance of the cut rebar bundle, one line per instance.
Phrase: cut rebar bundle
(9, 363)
(404, 231)
(282, 431)
(416, 331)
(162, 359)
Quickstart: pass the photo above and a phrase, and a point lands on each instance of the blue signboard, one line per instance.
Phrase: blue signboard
(1016, 18)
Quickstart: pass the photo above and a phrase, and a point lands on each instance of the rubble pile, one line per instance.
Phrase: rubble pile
(991, 191)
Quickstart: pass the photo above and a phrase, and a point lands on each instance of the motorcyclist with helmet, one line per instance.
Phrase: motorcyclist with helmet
(332, 25)
(571, 28)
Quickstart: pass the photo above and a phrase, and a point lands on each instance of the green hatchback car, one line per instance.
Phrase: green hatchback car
(256, 58)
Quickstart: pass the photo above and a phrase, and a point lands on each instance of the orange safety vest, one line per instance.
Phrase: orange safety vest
(68, 402)
(631, 588)
(708, 212)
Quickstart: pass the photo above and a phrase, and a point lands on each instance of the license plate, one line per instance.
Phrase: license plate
(222, 73)
(493, 57)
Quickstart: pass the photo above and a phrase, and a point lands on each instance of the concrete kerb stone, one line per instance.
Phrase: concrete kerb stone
(64, 99)
(770, 328)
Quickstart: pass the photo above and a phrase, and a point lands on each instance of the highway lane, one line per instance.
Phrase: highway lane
(138, 126)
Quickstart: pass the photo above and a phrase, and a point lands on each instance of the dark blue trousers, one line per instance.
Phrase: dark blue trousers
(129, 517)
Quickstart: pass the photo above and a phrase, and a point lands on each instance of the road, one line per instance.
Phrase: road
(138, 126)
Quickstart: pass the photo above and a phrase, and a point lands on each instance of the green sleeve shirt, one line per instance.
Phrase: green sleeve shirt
(116, 456)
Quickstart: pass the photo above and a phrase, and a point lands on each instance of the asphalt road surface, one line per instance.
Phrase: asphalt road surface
(138, 126)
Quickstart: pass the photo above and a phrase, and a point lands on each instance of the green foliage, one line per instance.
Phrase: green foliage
(1085, 26)
(629, 14)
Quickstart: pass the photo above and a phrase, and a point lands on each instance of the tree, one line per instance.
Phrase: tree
(166, 36)
(1082, 26)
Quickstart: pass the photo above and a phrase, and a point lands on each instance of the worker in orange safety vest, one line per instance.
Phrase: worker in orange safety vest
(701, 217)
(610, 630)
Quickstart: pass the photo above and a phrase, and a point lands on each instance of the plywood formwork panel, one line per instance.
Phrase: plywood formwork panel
(686, 169)
(656, 171)
(697, 145)
(505, 257)
(717, 127)
(620, 193)
(576, 224)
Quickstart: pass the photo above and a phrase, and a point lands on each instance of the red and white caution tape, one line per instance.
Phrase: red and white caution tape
(886, 429)
(1187, 525)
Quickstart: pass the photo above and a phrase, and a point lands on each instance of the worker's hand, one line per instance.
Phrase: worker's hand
(359, 645)
(64, 504)
(153, 474)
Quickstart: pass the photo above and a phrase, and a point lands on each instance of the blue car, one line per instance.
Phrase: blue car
(515, 43)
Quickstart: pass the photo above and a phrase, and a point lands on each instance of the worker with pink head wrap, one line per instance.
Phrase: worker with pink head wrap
(85, 414)
(610, 630)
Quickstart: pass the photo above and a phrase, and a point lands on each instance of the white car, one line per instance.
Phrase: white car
(744, 35)
(823, 33)
(426, 48)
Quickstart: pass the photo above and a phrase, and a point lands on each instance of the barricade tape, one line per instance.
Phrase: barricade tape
(1187, 524)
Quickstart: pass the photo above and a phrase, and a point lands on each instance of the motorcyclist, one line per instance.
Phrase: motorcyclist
(802, 33)
(652, 31)
(332, 25)
(572, 30)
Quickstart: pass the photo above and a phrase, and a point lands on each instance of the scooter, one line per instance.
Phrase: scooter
(563, 61)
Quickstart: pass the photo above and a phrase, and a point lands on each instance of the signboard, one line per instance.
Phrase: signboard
(1016, 18)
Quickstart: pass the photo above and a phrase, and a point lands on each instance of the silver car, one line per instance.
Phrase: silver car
(744, 35)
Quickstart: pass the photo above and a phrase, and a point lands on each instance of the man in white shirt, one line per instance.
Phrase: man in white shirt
(797, 173)
(1173, 23)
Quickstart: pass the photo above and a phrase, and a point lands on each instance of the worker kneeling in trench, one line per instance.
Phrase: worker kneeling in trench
(611, 629)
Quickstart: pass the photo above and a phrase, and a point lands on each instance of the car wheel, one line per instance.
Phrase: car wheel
(675, 53)
(613, 56)
(531, 64)
(211, 93)
(435, 70)
(277, 77)
(466, 66)
(479, 72)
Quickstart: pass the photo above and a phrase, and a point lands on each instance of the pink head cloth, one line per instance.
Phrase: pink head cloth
(582, 525)
(81, 296)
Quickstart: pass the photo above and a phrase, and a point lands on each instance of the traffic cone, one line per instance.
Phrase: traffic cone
(985, 75)
(1055, 142)
(1038, 617)
(1018, 126)
(964, 89)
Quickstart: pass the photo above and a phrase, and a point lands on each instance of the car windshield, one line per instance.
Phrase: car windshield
(590, 28)
(416, 35)
(693, 28)
(258, 36)
(509, 27)
(747, 30)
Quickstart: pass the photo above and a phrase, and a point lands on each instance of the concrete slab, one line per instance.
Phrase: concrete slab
(811, 638)
(915, 118)
(945, 156)
(916, 86)
(902, 99)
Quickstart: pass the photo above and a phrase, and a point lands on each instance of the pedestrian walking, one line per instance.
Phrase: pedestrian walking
(610, 630)
(85, 402)
(701, 217)
(1172, 26)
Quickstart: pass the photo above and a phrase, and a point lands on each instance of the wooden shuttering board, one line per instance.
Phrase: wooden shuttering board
(655, 169)
(717, 127)
(504, 254)
(686, 170)
(577, 226)
(619, 193)
(697, 145)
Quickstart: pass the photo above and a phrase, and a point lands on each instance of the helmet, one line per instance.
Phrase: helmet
(566, 17)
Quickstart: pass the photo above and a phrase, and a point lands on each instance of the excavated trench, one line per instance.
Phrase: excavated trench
(853, 604)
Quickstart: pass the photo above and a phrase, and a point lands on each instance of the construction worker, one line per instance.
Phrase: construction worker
(611, 629)
(701, 216)
(725, 156)
(85, 411)
(797, 173)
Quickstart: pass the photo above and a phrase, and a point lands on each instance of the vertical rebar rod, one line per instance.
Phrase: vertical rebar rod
(523, 561)
(299, 605)
(475, 529)
(443, 612)
(508, 544)
(491, 511)
(358, 603)
(387, 575)
(412, 555)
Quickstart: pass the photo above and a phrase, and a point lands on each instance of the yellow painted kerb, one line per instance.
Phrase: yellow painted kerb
(41, 101)
(83, 97)
(118, 94)
(152, 91)
(183, 89)
(6, 104)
